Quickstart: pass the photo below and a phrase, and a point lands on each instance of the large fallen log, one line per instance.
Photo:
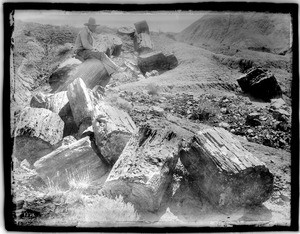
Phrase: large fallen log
(75, 164)
(37, 132)
(224, 172)
(144, 169)
(91, 71)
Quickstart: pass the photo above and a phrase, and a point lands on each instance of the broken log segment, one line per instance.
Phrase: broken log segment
(54, 102)
(37, 132)
(80, 102)
(57, 103)
(143, 43)
(112, 128)
(142, 27)
(144, 169)
(224, 172)
(73, 163)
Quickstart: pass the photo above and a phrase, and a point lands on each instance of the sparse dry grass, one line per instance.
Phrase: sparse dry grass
(152, 89)
(118, 102)
(205, 110)
(76, 207)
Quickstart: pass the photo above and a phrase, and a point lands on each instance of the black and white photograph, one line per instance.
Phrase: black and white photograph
(125, 117)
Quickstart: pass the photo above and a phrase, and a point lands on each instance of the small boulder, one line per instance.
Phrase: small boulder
(277, 103)
(156, 110)
(260, 83)
(253, 119)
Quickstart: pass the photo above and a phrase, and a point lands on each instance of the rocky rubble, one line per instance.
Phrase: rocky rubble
(230, 112)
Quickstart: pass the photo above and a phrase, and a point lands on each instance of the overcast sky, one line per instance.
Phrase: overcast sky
(171, 21)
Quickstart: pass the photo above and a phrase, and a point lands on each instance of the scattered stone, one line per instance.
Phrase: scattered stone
(253, 119)
(152, 73)
(224, 125)
(74, 162)
(260, 83)
(224, 110)
(250, 131)
(277, 103)
(281, 115)
(156, 110)
(25, 164)
(68, 140)
(225, 172)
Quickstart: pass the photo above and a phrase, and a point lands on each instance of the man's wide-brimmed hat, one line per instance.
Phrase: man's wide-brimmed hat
(92, 21)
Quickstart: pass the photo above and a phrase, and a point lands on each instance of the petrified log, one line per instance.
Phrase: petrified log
(91, 71)
(142, 27)
(260, 83)
(37, 132)
(64, 71)
(143, 43)
(156, 61)
(57, 103)
(224, 172)
(80, 102)
(75, 164)
(143, 171)
(112, 128)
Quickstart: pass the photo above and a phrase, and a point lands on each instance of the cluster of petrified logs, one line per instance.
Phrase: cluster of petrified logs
(136, 163)
(74, 132)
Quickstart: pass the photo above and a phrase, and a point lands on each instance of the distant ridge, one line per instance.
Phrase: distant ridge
(254, 31)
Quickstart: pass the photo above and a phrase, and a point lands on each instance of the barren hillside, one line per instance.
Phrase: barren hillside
(256, 31)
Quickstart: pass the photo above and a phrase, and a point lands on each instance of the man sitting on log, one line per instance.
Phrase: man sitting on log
(84, 48)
